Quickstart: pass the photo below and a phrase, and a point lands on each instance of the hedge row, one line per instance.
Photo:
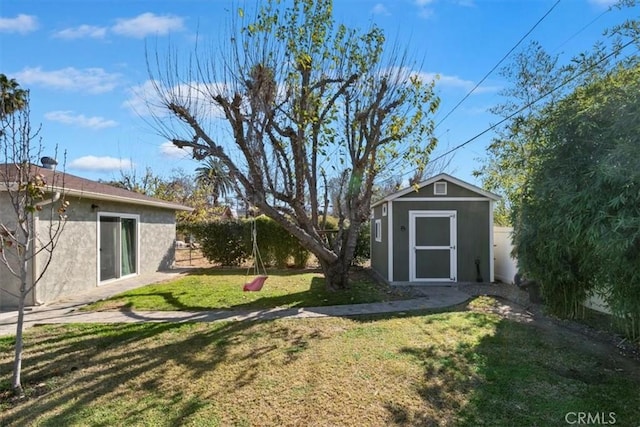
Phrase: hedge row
(229, 242)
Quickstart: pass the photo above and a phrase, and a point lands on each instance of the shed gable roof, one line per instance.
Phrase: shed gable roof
(86, 188)
(440, 177)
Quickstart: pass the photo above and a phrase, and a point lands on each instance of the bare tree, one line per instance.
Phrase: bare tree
(299, 96)
(32, 215)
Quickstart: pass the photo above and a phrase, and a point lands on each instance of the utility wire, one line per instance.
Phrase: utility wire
(582, 29)
(498, 64)
(399, 159)
(468, 141)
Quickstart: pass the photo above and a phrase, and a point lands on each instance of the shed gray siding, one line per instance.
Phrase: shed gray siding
(380, 250)
(473, 229)
(461, 216)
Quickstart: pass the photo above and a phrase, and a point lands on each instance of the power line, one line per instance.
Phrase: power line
(490, 128)
(582, 29)
(399, 159)
(498, 64)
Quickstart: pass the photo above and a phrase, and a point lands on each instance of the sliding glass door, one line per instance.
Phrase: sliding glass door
(118, 246)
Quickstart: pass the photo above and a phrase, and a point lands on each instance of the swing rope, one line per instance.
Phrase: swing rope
(260, 276)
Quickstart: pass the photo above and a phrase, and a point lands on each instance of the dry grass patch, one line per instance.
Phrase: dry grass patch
(463, 368)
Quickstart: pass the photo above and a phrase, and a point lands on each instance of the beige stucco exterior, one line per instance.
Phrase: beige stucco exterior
(74, 266)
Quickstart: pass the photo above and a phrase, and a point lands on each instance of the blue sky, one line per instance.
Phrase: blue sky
(84, 64)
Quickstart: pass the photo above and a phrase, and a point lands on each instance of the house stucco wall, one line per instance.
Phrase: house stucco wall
(74, 267)
(9, 284)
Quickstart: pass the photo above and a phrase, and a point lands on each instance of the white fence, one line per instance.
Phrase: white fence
(505, 266)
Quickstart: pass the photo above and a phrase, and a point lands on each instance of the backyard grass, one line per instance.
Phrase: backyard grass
(217, 288)
(469, 367)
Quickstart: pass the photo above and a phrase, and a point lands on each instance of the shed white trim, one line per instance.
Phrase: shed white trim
(451, 246)
(390, 243)
(491, 245)
(439, 177)
(443, 199)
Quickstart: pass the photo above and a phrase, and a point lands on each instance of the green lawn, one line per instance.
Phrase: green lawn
(214, 288)
(467, 367)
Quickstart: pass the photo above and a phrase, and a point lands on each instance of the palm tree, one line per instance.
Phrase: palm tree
(215, 175)
(13, 98)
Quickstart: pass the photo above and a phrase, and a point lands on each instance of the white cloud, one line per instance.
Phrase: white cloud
(144, 99)
(148, 24)
(101, 164)
(424, 9)
(168, 149)
(82, 31)
(603, 3)
(455, 82)
(90, 80)
(379, 9)
(21, 24)
(69, 118)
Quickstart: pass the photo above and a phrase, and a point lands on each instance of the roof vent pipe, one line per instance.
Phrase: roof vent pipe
(49, 163)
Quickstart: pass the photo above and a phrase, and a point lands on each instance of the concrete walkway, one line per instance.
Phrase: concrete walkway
(67, 310)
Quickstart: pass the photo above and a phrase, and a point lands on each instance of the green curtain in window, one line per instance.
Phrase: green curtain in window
(128, 238)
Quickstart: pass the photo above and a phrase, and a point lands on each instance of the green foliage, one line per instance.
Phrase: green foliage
(363, 246)
(230, 243)
(577, 230)
(223, 242)
(12, 97)
(510, 155)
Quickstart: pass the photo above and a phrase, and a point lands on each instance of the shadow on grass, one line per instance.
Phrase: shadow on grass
(493, 371)
(274, 295)
(85, 363)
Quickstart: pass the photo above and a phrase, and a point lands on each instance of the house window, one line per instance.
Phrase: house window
(118, 246)
(384, 210)
(378, 230)
(440, 188)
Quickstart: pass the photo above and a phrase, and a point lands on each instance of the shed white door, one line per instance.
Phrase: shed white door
(432, 246)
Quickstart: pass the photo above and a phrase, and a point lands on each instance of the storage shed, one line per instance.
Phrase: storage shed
(437, 232)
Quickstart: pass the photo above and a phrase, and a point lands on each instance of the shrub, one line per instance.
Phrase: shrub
(223, 242)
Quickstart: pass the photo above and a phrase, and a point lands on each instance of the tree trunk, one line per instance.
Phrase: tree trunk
(336, 274)
(16, 382)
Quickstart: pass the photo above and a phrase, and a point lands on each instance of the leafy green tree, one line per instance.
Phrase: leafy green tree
(300, 96)
(538, 81)
(577, 229)
(509, 160)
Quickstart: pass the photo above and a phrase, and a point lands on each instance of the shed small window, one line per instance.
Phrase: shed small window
(378, 230)
(440, 188)
(384, 210)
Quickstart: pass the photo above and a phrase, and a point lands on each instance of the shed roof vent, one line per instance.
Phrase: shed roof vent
(440, 188)
(49, 163)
